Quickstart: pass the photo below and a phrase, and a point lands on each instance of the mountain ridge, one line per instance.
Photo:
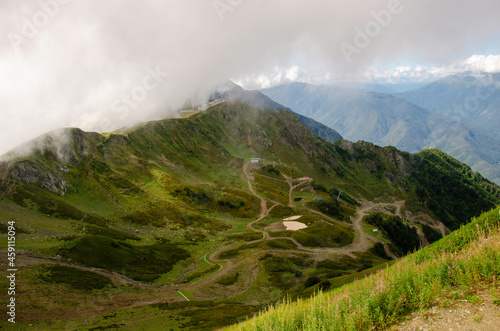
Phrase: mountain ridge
(177, 202)
(233, 91)
(388, 120)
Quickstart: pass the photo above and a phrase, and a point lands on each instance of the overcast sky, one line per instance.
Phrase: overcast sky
(103, 64)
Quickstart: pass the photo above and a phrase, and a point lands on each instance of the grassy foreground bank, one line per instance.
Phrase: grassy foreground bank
(466, 257)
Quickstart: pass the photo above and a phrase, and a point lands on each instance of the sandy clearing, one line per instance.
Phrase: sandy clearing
(294, 226)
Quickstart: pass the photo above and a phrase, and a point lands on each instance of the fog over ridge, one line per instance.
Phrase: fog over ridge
(102, 65)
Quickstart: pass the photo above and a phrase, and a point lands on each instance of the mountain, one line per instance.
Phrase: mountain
(123, 228)
(381, 87)
(388, 120)
(232, 91)
(472, 99)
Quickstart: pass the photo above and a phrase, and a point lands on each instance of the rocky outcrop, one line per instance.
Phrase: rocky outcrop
(28, 172)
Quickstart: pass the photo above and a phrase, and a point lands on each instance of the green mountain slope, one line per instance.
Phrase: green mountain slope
(450, 269)
(177, 202)
(232, 91)
(385, 120)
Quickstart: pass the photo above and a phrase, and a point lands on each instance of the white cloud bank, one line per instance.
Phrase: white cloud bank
(400, 74)
(103, 64)
(474, 64)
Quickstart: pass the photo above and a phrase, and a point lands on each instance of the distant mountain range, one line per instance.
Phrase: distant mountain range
(473, 100)
(411, 121)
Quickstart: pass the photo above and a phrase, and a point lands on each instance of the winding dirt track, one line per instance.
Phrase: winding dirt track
(361, 242)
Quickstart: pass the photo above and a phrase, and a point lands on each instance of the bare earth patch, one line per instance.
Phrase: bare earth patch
(294, 226)
(480, 312)
(276, 227)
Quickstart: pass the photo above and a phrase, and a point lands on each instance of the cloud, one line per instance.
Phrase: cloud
(474, 65)
(76, 63)
(282, 75)
(400, 74)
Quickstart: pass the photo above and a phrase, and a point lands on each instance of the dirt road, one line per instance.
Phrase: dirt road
(361, 242)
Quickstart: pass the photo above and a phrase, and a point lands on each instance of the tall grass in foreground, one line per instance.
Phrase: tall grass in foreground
(464, 258)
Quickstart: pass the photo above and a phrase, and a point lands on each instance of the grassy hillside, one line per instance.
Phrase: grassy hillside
(174, 209)
(448, 268)
(232, 91)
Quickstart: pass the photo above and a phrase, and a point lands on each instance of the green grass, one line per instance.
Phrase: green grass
(143, 263)
(78, 279)
(280, 244)
(320, 234)
(234, 252)
(324, 235)
(200, 273)
(229, 279)
(271, 188)
(162, 182)
(462, 259)
(250, 236)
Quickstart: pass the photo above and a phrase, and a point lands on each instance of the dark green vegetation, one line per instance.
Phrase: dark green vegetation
(213, 315)
(301, 276)
(435, 169)
(250, 236)
(405, 237)
(78, 279)
(4, 228)
(143, 263)
(431, 234)
(320, 234)
(228, 280)
(154, 203)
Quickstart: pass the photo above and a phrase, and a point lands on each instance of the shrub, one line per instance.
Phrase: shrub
(378, 249)
(311, 281)
(76, 278)
(229, 279)
(405, 237)
(143, 263)
(431, 234)
(325, 285)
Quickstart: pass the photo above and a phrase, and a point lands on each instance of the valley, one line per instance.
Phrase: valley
(170, 223)
(249, 165)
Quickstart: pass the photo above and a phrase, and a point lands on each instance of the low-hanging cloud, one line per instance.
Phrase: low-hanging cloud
(100, 65)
